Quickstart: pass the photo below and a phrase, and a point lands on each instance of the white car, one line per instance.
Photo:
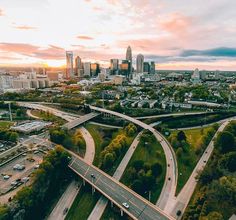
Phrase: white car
(126, 205)
(6, 177)
(25, 179)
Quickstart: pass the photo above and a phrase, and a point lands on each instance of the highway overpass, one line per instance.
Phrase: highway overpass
(80, 120)
(116, 192)
(169, 188)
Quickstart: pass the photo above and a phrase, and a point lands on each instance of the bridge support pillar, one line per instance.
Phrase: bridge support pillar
(93, 190)
(83, 182)
(111, 204)
(121, 212)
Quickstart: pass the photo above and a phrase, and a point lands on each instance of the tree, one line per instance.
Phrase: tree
(156, 169)
(137, 186)
(138, 164)
(215, 216)
(108, 160)
(13, 137)
(179, 152)
(228, 161)
(225, 142)
(181, 136)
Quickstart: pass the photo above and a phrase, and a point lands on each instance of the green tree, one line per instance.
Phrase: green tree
(225, 142)
(108, 160)
(181, 136)
(214, 216)
(156, 169)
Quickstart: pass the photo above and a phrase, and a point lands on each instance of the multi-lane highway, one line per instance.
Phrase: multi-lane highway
(169, 188)
(139, 208)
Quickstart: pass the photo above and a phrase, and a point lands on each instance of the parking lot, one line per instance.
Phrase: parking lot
(11, 179)
(5, 145)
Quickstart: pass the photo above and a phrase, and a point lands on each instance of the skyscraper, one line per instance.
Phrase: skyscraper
(152, 68)
(129, 58)
(139, 63)
(69, 64)
(78, 66)
(87, 69)
(146, 67)
(114, 66)
(95, 69)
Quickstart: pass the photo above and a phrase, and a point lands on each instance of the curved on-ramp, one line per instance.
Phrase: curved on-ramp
(169, 188)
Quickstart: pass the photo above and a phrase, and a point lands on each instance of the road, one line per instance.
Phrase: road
(139, 208)
(169, 188)
(102, 202)
(170, 114)
(71, 192)
(183, 198)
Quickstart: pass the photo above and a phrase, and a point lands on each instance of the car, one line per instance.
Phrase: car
(6, 177)
(126, 205)
(36, 166)
(168, 165)
(92, 175)
(25, 179)
(13, 183)
(204, 161)
(169, 178)
(65, 211)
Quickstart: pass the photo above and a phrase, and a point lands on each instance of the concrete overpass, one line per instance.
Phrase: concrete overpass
(168, 191)
(80, 120)
(116, 192)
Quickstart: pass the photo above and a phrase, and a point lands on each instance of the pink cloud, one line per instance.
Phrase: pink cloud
(83, 37)
(176, 24)
(25, 27)
(51, 52)
(1, 12)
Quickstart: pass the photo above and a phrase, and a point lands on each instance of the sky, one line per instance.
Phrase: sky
(176, 34)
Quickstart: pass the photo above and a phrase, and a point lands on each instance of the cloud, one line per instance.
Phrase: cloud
(25, 27)
(1, 12)
(51, 52)
(215, 52)
(84, 37)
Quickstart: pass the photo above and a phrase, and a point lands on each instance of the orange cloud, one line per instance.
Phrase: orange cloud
(176, 24)
(1, 12)
(83, 37)
(25, 27)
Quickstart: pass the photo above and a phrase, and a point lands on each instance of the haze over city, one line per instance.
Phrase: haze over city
(176, 35)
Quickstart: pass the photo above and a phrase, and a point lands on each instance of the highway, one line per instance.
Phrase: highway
(102, 202)
(169, 188)
(139, 208)
(170, 114)
(183, 198)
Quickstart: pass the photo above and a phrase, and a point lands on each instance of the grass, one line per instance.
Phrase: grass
(5, 124)
(83, 204)
(149, 155)
(189, 159)
(48, 117)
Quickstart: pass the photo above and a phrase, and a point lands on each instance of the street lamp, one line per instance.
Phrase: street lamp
(149, 195)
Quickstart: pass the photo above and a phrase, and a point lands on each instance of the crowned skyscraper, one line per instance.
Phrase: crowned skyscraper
(129, 58)
(69, 64)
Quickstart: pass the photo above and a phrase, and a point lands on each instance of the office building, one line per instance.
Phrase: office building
(146, 67)
(87, 69)
(139, 63)
(152, 68)
(78, 66)
(95, 69)
(114, 66)
(125, 68)
(129, 59)
(69, 65)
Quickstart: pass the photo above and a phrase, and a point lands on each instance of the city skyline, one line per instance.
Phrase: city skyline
(187, 36)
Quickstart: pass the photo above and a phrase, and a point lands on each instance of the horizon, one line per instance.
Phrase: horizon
(177, 37)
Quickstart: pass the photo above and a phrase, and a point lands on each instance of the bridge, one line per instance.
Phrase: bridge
(80, 120)
(116, 192)
(168, 191)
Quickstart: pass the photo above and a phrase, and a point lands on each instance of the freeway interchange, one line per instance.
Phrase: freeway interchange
(139, 208)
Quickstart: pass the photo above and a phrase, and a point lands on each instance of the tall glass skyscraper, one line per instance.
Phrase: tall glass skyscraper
(139, 63)
(69, 64)
(129, 58)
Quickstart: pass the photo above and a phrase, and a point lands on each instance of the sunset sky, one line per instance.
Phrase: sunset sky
(177, 34)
